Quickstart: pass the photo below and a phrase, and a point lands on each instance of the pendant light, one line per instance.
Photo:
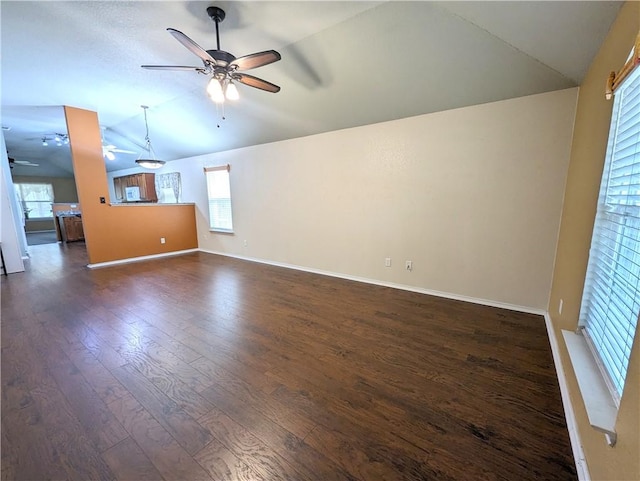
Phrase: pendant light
(151, 162)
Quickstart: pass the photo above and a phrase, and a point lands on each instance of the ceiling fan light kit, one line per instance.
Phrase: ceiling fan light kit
(231, 92)
(223, 67)
(215, 91)
(219, 90)
(151, 162)
(59, 139)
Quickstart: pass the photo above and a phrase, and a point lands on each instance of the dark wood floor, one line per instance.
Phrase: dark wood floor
(202, 367)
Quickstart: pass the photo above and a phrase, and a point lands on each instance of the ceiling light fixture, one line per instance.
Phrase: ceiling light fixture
(59, 139)
(231, 92)
(220, 88)
(214, 90)
(151, 162)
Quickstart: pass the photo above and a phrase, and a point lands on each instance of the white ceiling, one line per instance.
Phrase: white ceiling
(344, 64)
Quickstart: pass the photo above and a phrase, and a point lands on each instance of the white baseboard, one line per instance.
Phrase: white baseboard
(572, 425)
(404, 287)
(141, 258)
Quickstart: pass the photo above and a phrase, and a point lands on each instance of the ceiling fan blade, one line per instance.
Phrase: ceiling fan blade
(192, 46)
(256, 60)
(256, 82)
(172, 67)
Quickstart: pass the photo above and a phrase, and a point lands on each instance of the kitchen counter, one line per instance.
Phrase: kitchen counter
(147, 204)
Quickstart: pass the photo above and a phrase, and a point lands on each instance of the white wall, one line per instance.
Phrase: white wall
(472, 196)
(12, 236)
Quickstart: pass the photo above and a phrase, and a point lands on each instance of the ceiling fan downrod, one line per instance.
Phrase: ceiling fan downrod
(217, 15)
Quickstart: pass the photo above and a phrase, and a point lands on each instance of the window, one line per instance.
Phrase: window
(611, 299)
(35, 199)
(219, 193)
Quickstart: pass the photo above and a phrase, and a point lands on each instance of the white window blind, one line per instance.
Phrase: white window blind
(611, 302)
(219, 193)
(35, 199)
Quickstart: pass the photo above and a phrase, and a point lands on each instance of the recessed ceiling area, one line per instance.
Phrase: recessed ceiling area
(344, 64)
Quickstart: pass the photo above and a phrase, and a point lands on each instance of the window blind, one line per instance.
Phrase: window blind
(219, 194)
(611, 302)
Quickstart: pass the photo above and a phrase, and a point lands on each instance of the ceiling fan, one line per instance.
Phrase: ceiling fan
(25, 163)
(223, 67)
(109, 150)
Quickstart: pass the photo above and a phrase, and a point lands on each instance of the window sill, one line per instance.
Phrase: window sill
(601, 409)
(222, 231)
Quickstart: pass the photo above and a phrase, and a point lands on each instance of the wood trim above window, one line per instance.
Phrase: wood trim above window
(615, 79)
(219, 167)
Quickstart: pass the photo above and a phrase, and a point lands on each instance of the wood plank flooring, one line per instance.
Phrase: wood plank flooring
(201, 367)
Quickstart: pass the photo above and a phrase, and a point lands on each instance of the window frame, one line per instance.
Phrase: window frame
(614, 217)
(18, 186)
(210, 172)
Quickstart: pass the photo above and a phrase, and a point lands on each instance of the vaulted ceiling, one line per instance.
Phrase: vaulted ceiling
(344, 64)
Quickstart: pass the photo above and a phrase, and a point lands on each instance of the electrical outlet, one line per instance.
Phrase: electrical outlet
(560, 306)
(409, 265)
(245, 243)
(162, 240)
(387, 262)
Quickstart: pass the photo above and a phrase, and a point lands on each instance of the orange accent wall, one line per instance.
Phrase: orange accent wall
(120, 232)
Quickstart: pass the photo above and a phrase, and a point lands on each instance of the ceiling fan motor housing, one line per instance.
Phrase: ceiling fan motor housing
(222, 58)
(216, 13)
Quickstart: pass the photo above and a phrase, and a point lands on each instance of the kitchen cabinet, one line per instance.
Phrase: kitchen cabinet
(71, 228)
(144, 188)
(60, 209)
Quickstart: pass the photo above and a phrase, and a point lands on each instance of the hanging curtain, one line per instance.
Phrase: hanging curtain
(169, 181)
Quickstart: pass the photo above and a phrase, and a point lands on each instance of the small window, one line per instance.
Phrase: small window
(219, 193)
(35, 200)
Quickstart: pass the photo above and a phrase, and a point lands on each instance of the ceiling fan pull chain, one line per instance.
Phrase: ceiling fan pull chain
(220, 112)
